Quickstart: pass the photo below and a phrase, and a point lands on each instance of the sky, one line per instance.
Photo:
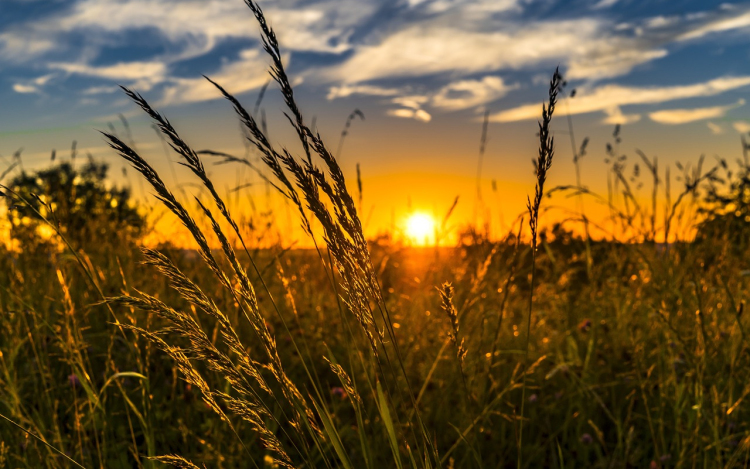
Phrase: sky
(675, 74)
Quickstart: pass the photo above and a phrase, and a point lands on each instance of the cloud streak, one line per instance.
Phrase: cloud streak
(459, 54)
(683, 116)
(608, 97)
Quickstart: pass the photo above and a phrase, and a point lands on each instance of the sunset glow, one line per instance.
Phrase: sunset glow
(420, 229)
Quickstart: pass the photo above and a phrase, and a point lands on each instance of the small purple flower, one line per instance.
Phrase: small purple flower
(587, 439)
(338, 392)
(665, 457)
(533, 398)
(584, 325)
(73, 380)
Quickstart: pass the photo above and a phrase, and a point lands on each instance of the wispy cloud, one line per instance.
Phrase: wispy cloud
(607, 97)
(436, 47)
(457, 53)
(741, 126)
(723, 23)
(144, 74)
(715, 129)
(344, 91)
(683, 116)
(418, 114)
(34, 85)
(616, 116)
(236, 77)
(604, 4)
(15, 46)
(469, 93)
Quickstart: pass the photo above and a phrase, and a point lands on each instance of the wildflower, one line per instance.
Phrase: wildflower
(533, 398)
(584, 325)
(587, 439)
(338, 392)
(73, 380)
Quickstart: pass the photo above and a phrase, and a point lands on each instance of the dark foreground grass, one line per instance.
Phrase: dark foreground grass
(647, 362)
(560, 352)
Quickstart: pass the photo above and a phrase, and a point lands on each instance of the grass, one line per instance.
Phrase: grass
(548, 350)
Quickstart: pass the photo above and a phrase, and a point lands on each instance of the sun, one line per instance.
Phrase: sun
(420, 229)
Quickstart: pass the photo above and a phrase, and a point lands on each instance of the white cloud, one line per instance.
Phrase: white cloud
(142, 75)
(741, 126)
(317, 27)
(715, 129)
(34, 85)
(344, 91)
(452, 40)
(418, 114)
(604, 4)
(458, 95)
(683, 116)
(437, 47)
(412, 102)
(721, 24)
(15, 46)
(606, 97)
(100, 90)
(469, 93)
(615, 116)
(22, 88)
(236, 77)
(118, 71)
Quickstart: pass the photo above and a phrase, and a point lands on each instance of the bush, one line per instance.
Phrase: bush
(78, 202)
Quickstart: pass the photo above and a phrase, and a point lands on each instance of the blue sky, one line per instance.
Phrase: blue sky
(675, 72)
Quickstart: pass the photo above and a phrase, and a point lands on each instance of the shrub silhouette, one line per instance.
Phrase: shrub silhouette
(78, 202)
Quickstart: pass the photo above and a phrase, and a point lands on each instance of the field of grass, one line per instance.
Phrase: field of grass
(548, 348)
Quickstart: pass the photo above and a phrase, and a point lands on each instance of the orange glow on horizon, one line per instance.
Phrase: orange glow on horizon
(420, 229)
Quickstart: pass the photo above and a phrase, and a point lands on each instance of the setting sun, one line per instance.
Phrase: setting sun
(420, 229)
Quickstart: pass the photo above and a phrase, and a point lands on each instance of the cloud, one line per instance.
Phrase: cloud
(21, 88)
(142, 75)
(726, 22)
(715, 129)
(413, 102)
(344, 91)
(118, 71)
(418, 114)
(601, 4)
(434, 48)
(469, 93)
(100, 90)
(741, 126)
(412, 108)
(18, 47)
(458, 95)
(236, 77)
(615, 116)
(452, 51)
(320, 26)
(183, 29)
(683, 116)
(609, 96)
(32, 86)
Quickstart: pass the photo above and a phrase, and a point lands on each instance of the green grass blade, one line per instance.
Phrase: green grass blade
(385, 414)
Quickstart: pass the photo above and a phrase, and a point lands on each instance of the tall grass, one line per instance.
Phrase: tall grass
(548, 350)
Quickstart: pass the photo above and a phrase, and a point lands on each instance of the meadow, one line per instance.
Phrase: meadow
(607, 344)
